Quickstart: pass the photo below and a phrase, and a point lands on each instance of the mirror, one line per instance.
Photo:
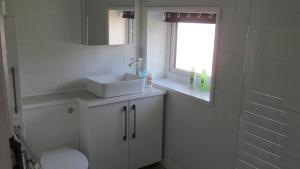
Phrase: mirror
(108, 22)
(120, 26)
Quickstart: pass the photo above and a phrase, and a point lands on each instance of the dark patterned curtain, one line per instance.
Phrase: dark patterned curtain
(128, 14)
(191, 17)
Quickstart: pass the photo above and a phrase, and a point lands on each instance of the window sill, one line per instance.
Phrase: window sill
(182, 88)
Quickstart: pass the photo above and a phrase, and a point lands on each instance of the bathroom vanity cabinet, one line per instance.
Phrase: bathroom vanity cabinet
(123, 135)
(123, 132)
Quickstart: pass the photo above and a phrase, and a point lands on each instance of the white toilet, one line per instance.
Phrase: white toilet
(52, 136)
(63, 158)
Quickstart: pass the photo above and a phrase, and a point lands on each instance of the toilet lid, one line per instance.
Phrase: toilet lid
(64, 158)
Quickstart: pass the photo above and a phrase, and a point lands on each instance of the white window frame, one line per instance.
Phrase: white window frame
(172, 43)
(173, 49)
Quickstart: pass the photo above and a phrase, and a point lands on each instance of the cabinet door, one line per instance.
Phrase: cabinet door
(146, 130)
(14, 93)
(108, 149)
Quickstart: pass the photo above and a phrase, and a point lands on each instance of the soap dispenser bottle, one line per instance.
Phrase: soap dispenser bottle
(149, 80)
(203, 85)
(193, 78)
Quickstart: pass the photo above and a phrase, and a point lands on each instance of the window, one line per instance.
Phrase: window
(194, 47)
(179, 39)
(192, 44)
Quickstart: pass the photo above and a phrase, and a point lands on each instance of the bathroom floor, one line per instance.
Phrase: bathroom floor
(154, 166)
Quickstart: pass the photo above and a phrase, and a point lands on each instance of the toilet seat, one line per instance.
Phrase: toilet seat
(64, 158)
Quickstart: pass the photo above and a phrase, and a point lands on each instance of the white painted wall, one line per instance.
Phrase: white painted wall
(51, 56)
(203, 136)
(156, 49)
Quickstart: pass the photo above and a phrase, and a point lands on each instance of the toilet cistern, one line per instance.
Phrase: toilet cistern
(137, 62)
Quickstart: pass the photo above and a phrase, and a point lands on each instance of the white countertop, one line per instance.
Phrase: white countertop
(91, 100)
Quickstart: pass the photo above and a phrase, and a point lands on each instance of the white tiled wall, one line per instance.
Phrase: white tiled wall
(51, 57)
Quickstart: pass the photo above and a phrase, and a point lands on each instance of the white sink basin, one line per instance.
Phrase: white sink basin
(115, 85)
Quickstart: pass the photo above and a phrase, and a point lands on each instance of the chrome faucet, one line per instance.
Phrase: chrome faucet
(137, 62)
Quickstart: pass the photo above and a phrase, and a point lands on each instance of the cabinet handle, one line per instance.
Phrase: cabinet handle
(125, 110)
(134, 121)
(14, 88)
